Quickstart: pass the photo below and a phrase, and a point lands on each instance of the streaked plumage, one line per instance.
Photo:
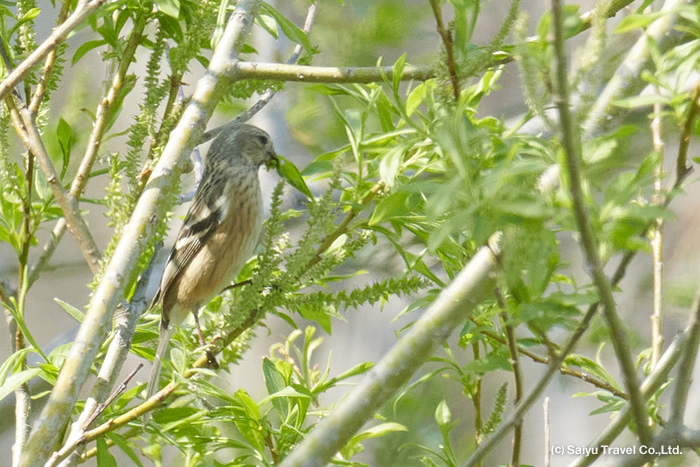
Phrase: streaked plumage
(219, 234)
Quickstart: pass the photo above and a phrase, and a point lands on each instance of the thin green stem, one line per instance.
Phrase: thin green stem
(571, 146)
(517, 375)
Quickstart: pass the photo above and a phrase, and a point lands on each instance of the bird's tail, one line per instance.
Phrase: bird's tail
(163, 341)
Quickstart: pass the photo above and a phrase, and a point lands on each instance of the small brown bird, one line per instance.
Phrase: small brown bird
(219, 235)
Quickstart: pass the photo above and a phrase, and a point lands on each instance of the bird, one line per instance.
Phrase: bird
(219, 234)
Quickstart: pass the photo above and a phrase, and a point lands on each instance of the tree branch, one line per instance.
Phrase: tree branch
(472, 285)
(657, 242)
(102, 116)
(83, 10)
(686, 368)
(651, 384)
(132, 244)
(447, 40)
(322, 74)
(571, 146)
(125, 321)
(69, 205)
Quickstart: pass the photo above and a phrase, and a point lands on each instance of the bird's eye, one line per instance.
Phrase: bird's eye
(263, 140)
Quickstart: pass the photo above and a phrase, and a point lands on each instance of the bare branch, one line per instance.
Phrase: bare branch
(657, 242)
(68, 203)
(322, 74)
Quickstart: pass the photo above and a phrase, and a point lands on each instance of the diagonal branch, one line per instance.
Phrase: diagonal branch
(29, 133)
(83, 10)
(151, 205)
(472, 285)
(571, 146)
(658, 377)
(102, 116)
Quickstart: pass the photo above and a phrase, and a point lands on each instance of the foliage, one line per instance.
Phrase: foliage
(418, 170)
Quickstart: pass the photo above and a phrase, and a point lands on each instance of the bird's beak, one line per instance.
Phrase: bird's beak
(272, 162)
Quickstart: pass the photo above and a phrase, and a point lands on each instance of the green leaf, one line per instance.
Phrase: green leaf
(274, 381)
(393, 205)
(291, 30)
(76, 314)
(319, 313)
(637, 21)
(642, 101)
(251, 408)
(12, 361)
(220, 24)
(416, 98)
(43, 190)
(104, 457)
(169, 7)
(124, 446)
(16, 380)
(64, 133)
(22, 325)
(288, 171)
(31, 14)
(592, 367)
(269, 24)
(85, 47)
(286, 392)
(398, 71)
(572, 20)
(390, 164)
(378, 431)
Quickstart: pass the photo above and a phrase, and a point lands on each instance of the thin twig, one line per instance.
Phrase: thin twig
(517, 374)
(31, 139)
(564, 370)
(657, 339)
(122, 387)
(571, 145)
(686, 368)
(446, 36)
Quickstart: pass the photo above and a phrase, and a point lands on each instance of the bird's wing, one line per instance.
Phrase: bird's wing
(209, 208)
